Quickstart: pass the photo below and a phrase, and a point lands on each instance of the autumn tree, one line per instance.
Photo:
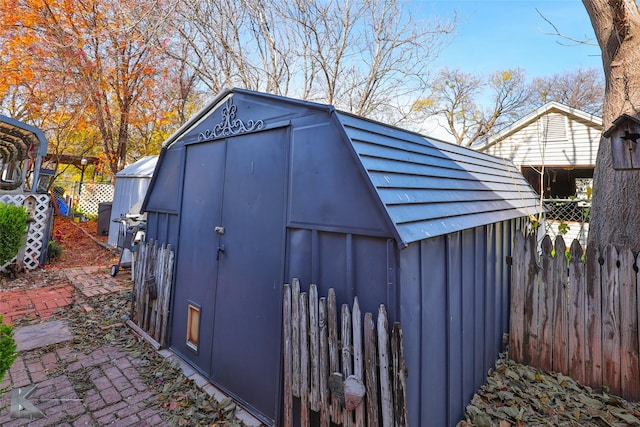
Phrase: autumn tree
(615, 211)
(100, 65)
(456, 96)
(364, 56)
(582, 88)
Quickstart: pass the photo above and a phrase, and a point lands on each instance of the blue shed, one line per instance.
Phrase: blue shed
(257, 189)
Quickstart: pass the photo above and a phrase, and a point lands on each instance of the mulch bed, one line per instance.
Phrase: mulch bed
(81, 245)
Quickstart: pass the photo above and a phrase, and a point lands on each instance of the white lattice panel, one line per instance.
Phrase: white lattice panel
(94, 193)
(37, 238)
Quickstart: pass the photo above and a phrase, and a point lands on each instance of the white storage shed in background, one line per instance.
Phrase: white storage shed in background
(130, 188)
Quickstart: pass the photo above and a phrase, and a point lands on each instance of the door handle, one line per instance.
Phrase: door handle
(219, 229)
(220, 250)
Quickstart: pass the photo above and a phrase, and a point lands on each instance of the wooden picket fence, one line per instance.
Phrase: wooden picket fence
(152, 291)
(577, 313)
(355, 380)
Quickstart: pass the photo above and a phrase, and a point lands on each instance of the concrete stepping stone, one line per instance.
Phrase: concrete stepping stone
(41, 334)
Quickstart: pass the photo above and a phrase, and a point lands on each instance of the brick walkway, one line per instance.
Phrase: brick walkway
(92, 281)
(104, 387)
(95, 389)
(101, 388)
(41, 303)
(35, 303)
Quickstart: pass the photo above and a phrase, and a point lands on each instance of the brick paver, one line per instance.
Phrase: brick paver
(94, 280)
(95, 389)
(36, 303)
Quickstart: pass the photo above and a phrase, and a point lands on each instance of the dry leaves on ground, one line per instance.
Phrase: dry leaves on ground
(518, 395)
(106, 324)
(81, 245)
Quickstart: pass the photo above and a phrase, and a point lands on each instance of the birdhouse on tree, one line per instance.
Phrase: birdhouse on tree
(624, 135)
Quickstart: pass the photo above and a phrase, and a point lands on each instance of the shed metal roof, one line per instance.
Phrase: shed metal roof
(143, 168)
(430, 188)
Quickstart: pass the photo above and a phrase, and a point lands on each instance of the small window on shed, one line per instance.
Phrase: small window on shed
(193, 326)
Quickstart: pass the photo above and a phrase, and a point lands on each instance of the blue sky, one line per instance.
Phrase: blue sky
(498, 34)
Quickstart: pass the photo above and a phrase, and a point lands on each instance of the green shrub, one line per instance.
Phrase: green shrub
(13, 227)
(55, 249)
(7, 348)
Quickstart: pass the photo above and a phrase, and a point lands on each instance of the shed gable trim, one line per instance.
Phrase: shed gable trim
(266, 126)
(230, 124)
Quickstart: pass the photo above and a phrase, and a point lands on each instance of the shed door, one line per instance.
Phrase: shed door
(240, 283)
(196, 269)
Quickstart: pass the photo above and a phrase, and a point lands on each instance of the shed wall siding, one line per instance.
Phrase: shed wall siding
(167, 182)
(354, 265)
(163, 227)
(128, 191)
(526, 146)
(326, 184)
(454, 302)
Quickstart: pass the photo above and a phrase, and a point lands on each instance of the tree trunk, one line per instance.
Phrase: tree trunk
(615, 211)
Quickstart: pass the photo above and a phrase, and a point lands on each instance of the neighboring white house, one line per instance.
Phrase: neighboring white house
(555, 147)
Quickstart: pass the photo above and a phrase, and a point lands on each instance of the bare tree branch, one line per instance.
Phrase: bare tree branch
(556, 32)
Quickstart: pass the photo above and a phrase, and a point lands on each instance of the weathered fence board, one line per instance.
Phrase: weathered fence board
(561, 309)
(357, 375)
(587, 308)
(611, 321)
(314, 348)
(546, 312)
(399, 377)
(386, 396)
(295, 335)
(593, 351)
(152, 289)
(325, 413)
(346, 356)
(577, 304)
(358, 369)
(287, 368)
(629, 373)
(370, 368)
(334, 364)
(530, 325)
(516, 319)
(304, 360)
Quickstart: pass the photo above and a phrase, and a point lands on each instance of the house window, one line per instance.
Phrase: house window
(193, 326)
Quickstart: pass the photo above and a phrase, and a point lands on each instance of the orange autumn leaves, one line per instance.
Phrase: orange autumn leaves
(92, 70)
